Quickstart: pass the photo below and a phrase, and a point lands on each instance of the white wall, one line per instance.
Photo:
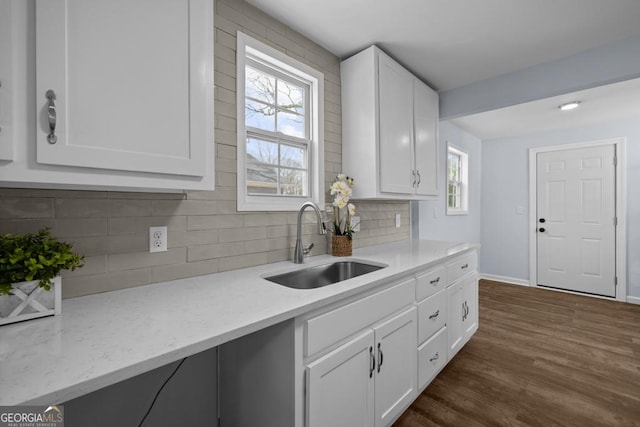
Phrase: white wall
(611, 63)
(434, 223)
(505, 186)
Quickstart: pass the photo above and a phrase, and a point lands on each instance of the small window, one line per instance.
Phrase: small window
(457, 182)
(280, 152)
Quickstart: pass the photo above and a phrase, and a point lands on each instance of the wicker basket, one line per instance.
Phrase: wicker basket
(341, 246)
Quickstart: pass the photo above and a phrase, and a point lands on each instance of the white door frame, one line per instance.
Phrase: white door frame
(620, 145)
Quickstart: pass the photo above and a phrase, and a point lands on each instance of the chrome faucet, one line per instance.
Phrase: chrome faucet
(300, 252)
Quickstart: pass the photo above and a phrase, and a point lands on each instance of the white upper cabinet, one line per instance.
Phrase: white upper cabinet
(6, 81)
(389, 129)
(123, 96)
(426, 114)
(396, 122)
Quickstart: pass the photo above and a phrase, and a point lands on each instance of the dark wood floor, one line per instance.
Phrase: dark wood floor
(539, 358)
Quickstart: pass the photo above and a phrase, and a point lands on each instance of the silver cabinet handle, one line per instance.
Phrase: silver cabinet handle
(380, 356)
(435, 281)
(434, 315)
(464, 266)
(419, 178)
(372, 359)
(414, 178)
(51, 115)
(435, 357)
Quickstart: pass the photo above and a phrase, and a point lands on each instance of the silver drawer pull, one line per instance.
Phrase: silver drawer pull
(435, 281)
(51, 115)
(435, 357)
(465, 266)
(434, 315)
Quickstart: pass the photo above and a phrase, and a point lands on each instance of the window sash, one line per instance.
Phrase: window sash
(278, 74)
(279, 140)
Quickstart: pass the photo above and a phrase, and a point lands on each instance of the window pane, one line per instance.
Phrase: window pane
(293, 156)
(262, 179)
(454, 167)
(259, 115)
(290, 97)
(291, 124)
(260, 86)
(293, 182)
(259, 151)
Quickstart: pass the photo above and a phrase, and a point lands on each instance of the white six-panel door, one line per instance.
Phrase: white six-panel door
(576, 246)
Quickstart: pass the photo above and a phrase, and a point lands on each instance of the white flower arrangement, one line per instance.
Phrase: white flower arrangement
(341, 192)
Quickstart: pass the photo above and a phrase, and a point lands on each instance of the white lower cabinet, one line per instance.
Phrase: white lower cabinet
(340, 389)
(462, 321)
(432, 356)
(367, 381)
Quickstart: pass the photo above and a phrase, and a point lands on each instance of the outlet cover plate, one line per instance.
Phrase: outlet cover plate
(158, 239)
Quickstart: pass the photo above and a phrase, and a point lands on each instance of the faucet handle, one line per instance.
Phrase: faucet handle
(305, 251)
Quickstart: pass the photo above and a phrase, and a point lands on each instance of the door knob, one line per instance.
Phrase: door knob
(542, 220)
(541, 229)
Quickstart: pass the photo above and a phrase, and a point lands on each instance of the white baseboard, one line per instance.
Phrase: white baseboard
(633, 300)
(505, 279)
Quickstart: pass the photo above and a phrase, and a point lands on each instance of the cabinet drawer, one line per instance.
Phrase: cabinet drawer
(432, 315)
(331, 327)
(461, 266)
(431, 282)
(432, 356)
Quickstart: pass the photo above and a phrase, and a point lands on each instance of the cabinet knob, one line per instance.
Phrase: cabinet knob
(542, 229)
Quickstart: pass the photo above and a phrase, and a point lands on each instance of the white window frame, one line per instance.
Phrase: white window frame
(267, 55)
(464, 181)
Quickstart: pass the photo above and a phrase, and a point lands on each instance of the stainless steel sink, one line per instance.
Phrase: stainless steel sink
(323, 275)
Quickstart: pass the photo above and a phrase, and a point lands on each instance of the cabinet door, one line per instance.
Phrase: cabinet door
(470, 318)
(455, 312)
(6, 80)
(340, 385)
(132, 81)
(396, 127)
(396, 366)
(426, 113)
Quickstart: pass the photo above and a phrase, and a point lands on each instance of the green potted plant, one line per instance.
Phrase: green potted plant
(30, 265)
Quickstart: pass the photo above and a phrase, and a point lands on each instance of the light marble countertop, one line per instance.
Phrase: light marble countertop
(102, 339)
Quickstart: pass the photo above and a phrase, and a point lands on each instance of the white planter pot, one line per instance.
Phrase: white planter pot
(28, 301)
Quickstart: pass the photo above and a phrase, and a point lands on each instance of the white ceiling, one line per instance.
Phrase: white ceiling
(598, 105)
(451, 43)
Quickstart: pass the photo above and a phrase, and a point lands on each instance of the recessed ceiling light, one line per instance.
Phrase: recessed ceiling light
(569, 105)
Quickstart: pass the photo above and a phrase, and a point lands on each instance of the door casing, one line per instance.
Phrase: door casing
(620, 145)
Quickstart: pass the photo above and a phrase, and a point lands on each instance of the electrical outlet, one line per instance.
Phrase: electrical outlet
(398, 220)
(355, 223)
(158, 239)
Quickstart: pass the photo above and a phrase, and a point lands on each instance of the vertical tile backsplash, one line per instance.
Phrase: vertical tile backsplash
(206, 234)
